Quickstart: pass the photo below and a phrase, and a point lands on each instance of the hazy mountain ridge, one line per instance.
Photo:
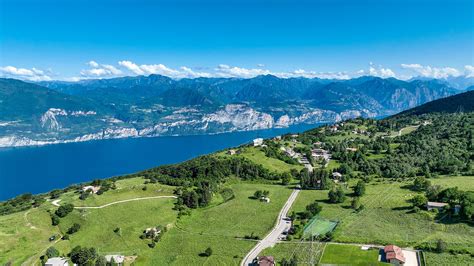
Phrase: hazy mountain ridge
(156, 105)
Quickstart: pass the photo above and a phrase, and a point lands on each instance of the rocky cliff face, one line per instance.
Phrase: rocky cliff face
(159, 106)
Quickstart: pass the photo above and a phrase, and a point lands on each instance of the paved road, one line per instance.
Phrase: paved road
(56, 202)
(272, 238)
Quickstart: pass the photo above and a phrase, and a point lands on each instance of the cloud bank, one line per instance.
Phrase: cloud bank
(97, 70)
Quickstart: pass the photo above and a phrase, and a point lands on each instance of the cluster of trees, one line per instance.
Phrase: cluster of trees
(210, 168)
(73, 229)
(61, 212)
(51, 252)
(453, 196)
(20, 203)
(194, 197)
(261, 193)
(337, 195)
(86, 256)
(312, 210)
(318, 179)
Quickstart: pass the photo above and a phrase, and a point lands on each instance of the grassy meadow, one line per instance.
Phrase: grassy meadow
(388, 218)
(221, 226)
(350, 255)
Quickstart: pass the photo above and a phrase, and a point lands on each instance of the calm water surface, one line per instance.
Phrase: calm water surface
(41, 169)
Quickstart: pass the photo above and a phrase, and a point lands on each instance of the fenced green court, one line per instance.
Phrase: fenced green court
(319, 226)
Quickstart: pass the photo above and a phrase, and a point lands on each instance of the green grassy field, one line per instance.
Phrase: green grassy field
(24, 235)
(387, 218)
(220, 227)
(303, 251)
(272, 164)
(126, 189)
(465, 183)
(350, 255)
(434, 259)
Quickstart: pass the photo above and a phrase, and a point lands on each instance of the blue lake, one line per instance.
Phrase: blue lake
(41, 169)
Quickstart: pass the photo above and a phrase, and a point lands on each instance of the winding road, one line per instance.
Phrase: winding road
(56, 202)
(273, 237)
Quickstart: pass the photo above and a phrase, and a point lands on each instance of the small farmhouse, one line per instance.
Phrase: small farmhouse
(152, 231)
(394, 255)
(56, 261)
(435, 205)
(115, 259)
(231, 152)
(92, 189)
(266, 261)
(257, 142)
(336, 175)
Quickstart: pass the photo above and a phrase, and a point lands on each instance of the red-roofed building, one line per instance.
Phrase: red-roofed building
(266, 261)
(394, 255)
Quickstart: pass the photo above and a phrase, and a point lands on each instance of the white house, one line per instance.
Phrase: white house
(435, 205)
(93, 189)
(56, 261)
(257, 142)
(117, 259)
(336, 175)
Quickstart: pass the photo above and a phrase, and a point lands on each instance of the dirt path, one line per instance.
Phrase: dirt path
(272, 238)
(56, 202)
(27, 222)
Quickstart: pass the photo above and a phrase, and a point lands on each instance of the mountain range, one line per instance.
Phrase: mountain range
(155, 105)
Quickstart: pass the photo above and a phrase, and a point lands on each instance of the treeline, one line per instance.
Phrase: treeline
(207, 168)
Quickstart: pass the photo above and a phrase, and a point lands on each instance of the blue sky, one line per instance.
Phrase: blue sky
(65, 39)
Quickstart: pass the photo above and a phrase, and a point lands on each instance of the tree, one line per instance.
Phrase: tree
(54, 219)
(355, 203)
(314, 208)
(359, 188)
(64, 210)
(84, 195)
(285, 178)
(336, 195)
(101, 261)
(74, 228)
(258, 194)
(83, 256)
(208, 252)
(52, 252)
(421, 183)
(440, 246)
(419, 201)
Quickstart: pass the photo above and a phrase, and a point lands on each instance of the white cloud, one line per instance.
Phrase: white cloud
(182, 72)
(238, 72)
(376, 71)
(32, 74)
(132, 67)
(432, 72)
(313, 74)
(93, 64)
(469, 71)
(99, 71)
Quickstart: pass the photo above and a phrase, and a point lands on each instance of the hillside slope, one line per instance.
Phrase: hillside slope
(463, 102)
